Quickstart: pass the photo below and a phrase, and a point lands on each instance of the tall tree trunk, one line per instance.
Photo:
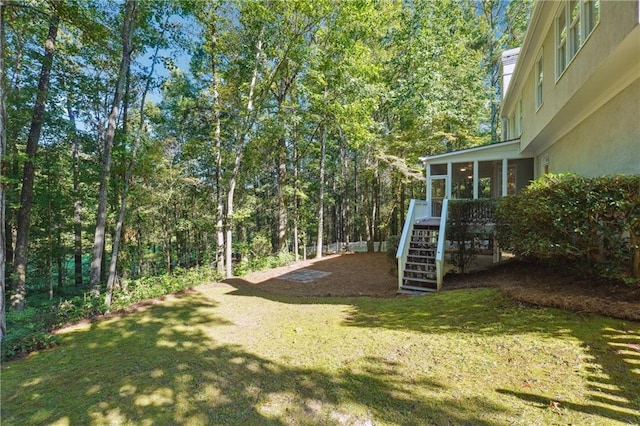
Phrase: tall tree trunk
(230, 195)
(296, 198)
(59, 259)
(240, 146)
(18, 299)
(217, 141)
(323, 144)
(127, 183)
(101, 220)
(77, 204)
(281, 194)
(3, 153)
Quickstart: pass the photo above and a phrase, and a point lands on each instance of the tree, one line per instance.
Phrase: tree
(130, 11)
(18, 299)
(3, 152)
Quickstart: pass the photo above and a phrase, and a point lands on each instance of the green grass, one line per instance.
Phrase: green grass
(229, 356)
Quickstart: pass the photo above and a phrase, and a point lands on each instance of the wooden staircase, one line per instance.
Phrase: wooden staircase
(420, 268)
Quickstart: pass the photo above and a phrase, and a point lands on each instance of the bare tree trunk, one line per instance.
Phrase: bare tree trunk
(77, 205)
(127, 183)
(281, 195)
(3, 153)
(323, 144)
(101, 220)
(217, 147)
(240, 145)
(296, 199)
(18, 299)
(230, 195)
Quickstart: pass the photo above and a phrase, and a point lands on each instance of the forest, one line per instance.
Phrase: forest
(140, 137)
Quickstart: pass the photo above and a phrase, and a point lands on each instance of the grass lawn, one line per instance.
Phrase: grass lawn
(220, 355)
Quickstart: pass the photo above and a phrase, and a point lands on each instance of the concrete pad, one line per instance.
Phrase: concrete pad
(303, 275)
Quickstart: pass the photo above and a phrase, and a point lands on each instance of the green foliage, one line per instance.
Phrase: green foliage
(30, 330)
(467, 222)
(392, 247)
(139, 289)
(593, 223)
(260, 262)
(26, 332)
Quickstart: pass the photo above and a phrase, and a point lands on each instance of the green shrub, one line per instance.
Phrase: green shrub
(144, 288)
(30, 330)
(393, 241)
(592, 223)
(27, 332)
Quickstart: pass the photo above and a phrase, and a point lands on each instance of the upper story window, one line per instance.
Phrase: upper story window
(539, 77)
(520, 118)
(591, 16)
(561, 40)
(576, 19)
(574, 27)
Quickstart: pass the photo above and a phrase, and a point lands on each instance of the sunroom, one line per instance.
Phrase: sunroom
(489, 171)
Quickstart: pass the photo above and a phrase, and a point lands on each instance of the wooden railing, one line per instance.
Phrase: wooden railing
(418, 209)
(441, 244)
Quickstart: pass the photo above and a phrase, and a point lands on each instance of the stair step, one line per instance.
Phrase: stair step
(416, 288)
(421, 251)
(420, 263)
(420, 280)
(427, 225)
(421, 256)
(420, 271)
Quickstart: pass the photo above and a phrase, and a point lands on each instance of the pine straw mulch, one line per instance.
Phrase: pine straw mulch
(554, 286)
(372, 274)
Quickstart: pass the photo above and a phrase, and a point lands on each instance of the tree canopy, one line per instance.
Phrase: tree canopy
(172, 133)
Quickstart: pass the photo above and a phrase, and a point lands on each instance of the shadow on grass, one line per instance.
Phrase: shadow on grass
(162, 366)
(611, 346)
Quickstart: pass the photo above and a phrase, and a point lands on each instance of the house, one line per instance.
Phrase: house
(571, 103)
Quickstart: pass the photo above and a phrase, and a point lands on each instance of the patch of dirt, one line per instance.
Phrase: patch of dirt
(353, 274)
(373, 274)
(555, 286)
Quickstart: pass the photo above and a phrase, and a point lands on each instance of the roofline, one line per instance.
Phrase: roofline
(472, 149)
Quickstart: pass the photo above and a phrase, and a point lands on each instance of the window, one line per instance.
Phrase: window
(575, 21)
(591, 10)
(512, 127)
(539, 76)
(561, 41)
(574, 27)
(520, 118)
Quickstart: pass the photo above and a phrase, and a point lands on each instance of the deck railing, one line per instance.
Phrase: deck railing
(441, 244)
(418, 209)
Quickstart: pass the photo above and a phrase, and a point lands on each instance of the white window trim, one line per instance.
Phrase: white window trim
(569, 57)
(520, 117)
(561, 9)
(574, 45)
(539, 81)
(585, 35)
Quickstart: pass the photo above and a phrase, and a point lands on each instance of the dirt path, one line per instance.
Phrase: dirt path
(373, 274)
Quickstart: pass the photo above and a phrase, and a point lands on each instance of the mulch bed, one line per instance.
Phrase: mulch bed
(373, 275)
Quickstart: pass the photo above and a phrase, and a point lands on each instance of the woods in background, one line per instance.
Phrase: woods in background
(141, 136)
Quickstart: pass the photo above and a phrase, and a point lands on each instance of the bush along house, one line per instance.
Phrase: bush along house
(571, 103)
